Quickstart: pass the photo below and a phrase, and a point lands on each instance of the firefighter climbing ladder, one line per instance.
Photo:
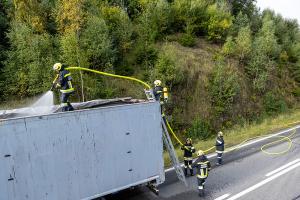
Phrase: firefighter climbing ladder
(172, 153)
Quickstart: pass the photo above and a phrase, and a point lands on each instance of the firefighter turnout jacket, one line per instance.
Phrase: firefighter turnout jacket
(65, 81)
(157, 91)
(188, 149)
(203, 166)
(220, 144)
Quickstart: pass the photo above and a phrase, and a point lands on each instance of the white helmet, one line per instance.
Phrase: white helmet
(220, 133)
(157, 83)
(200, 153)
(189, 140)
(57, 66)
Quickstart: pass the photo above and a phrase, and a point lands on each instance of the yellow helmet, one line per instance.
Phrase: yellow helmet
(220, 133)
(57, 66)
(200, 153)
(157, 83)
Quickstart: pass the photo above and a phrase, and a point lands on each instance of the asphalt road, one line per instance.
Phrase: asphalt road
(243, 176)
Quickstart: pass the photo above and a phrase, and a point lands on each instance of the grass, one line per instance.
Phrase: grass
(239, 134)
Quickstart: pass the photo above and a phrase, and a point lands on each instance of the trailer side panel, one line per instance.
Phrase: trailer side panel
(81, 154)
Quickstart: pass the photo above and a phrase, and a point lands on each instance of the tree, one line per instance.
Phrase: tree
(247, 7)
(4, 25)
(265, 51)
(240, 21)
(223, 88)
(190, 16)
(34, 13)
(220, 21)
(243, 43)
(229, 47)
(28, 67)
(70, 15)
(120, 29)
(96, 43)
(155, 21)
(167, 68)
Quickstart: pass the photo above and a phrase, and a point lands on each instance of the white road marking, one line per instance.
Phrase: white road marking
(247, 144)
(223, 197)
(264, 182)
(283, 167)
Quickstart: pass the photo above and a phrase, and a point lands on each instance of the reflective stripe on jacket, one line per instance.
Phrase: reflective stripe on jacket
(203, 166)
(65, 81)
(220, 144)
(188, 149)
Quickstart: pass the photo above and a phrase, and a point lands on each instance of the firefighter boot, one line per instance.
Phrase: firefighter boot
(192, 172)
(201, 191)
(185, 171)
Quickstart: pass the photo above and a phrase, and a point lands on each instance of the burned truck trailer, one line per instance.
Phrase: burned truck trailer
(82, 154)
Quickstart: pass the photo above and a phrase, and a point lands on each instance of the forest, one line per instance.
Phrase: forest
(225, 63)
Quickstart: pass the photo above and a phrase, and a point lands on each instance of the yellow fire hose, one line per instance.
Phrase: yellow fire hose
(127, 78)
(111, 75)
(265, 146)
(282, 138)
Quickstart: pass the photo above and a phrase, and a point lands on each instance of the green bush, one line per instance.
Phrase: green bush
(244, 43)
(229, 47)
(145, 54)
(274, 105)
(223, 88)
(220, 21)
(200, 129)
(190, 16)
(155, 21)
(167, 68)
(187, 40)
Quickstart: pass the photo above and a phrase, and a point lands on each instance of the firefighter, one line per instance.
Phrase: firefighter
(219, 147)
(63, 80)
(160, 93)
(203, 167)
(188, 149)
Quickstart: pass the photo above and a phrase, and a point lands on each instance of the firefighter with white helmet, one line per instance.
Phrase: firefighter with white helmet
(203, 167)
(220, 146)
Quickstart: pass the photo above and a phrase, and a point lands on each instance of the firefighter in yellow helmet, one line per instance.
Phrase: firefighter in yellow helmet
(160, 93)
(63, 80)
(188, 149)
(203, 167)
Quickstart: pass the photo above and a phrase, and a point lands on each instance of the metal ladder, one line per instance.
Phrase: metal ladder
(168, 142)
(172, 153)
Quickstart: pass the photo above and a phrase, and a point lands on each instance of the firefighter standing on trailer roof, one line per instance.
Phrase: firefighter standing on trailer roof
(220, 147)
(160, 93)
(188, 149)
(203, 167)
(63, 80)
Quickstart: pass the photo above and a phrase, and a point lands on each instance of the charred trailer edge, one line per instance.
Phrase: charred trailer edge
(83, 154)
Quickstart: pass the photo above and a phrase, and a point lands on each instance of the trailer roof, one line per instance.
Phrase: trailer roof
(36, 111)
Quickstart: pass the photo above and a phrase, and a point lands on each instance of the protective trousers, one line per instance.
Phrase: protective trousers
(188, 164)
(219, 157)
(65, 104)
(201, 182)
